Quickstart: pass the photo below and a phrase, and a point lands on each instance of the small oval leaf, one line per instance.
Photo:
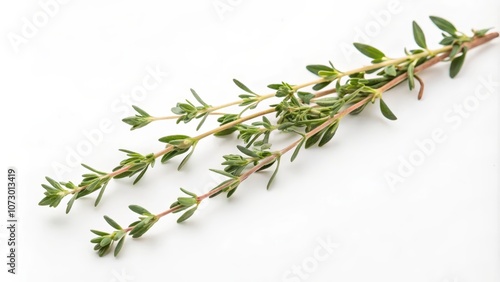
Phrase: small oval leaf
(317, 68)
(457, 63)
(386, 111)
(419, 36)
(411, 75)
(297, 149)
(369, 51)
(274, 173)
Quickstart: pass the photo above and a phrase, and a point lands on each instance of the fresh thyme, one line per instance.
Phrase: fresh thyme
(309, 117)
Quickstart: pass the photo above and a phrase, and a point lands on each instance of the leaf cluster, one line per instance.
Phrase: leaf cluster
(136, 163)
(184, 203)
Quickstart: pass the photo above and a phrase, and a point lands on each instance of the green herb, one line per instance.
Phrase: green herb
(308, 116)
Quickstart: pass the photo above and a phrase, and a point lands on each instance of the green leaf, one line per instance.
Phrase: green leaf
(222, 172)
(186, 159)
(454, 51)
(186, 201)
(103, 251)
(242, 86)
(481, 32)
(456, 63)
(177, 111)
(172, 154)
(92, 186)
(386, 111)
(54, 183)
(443, 25)
(140, 111)
(71, 201)
(186, 215)
(305, 96)
(119, 246)
(113, 223)
(138, 209)
(274, 173)
(315, 69)
(46, 201)
(123, 174)
(225, 132)
(198, 98)
(329, 133)
(188, 192)
(297, 149)
(369, 51)
(285, 125)
(49, 188)
(274, 86)
(179, 207)
(93, 169)
(247, 151)
(134, 223)
(231, 190)
(321, 85)
(266, 146)
(266, 166)
(202, 121)
(137, 229)
(99, 233)
(128, 152)
(187, 107)
(447, 41)
(327, 101)
(170, 138)
(141, 231)
(411, 75)
(328, 74)
(119, 234)
(419, 36)
(312, 140)
(105, 241)
(390, 70)
(101, 192)
(139, 177)
(221, 184)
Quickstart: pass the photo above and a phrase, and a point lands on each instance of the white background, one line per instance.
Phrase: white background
(78, 69)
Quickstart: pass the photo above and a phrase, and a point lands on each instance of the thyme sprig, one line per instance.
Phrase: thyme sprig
(310, 117)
